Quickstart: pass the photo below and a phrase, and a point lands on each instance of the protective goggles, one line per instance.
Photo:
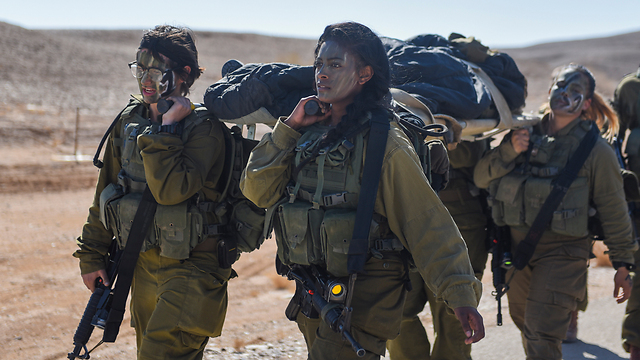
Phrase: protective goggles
(155, 74)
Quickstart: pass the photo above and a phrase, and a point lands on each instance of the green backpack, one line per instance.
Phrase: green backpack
(243, 220)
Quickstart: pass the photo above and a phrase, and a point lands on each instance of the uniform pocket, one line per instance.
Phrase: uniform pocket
(292, 233)
(336, 232)
(179, 229)
(107, 212)
(510, 193)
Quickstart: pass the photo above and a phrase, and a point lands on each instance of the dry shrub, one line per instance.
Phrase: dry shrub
(601, 259)
(238, 344)
(281, 282)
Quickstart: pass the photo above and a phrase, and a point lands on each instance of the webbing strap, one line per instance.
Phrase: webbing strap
(317, 197)
(377, 143)
(139, 228)
(525, 249)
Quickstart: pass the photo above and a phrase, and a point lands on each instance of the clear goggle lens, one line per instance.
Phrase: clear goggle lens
(153, 73)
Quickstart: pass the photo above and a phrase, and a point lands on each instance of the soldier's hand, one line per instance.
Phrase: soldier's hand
(90, 279)
(472, 323)
(520, 140)
(180, 109)
(622, 285)
(299, 119)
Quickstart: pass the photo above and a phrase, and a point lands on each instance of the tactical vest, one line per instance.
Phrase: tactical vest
(314, 223)
(516, 198)
(176, 229)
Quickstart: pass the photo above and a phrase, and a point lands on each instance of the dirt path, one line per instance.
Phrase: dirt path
(42, 296)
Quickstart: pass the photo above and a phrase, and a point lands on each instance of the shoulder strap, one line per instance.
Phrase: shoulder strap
(525, 249)
(376, 146)
(127, 109)
(139, 228)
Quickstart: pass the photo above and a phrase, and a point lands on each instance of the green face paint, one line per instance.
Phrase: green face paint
(569, 92)
(150, 86)
(336, 74)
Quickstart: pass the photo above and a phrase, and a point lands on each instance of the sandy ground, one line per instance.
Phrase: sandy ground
(43, 204)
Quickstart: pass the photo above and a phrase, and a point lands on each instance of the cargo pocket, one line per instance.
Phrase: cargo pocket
(572, 216)
(510, 193)
(292, 233)
(336, 232)
(107, 212)
(248, 221)
(179, 229)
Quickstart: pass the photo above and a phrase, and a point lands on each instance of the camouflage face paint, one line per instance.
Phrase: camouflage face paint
(150, 86)
(569, 92)
(336, 74)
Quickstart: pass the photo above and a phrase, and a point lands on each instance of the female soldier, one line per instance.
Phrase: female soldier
(179, 293)
(308, 159)
(626, 98)
(520, 173)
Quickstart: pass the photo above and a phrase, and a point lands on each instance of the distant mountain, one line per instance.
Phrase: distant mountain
(609, 58)
(60, 70)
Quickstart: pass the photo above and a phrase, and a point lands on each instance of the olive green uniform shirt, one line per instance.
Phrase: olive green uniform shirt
(414, 212)
(605, 187)
(175, 171)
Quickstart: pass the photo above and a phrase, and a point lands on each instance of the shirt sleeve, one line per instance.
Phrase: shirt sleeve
(268, 171)
(607, 194)
(175, 171)
(497, 163)
(422, 223)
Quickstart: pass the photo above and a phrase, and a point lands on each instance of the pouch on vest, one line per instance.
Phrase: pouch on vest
(542, 149)
(125, 210)
(336, 232)
(572, 216)
(175, 225)
(509, 193)
(107, 214)
(248, 221)
(294, 238)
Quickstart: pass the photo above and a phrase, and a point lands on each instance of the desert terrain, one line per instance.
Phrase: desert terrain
(59, 90)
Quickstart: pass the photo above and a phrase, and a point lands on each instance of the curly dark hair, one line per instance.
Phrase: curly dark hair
(362, 42)
(177, 44)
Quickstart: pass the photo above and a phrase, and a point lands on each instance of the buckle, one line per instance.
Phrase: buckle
(335, 199)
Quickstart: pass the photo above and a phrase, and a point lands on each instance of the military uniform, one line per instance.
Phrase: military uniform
(543, 294)
(627, 99)
(405, 203)
(462, 198)
(179, 293)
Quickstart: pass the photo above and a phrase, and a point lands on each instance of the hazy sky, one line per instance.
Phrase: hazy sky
(497, 23)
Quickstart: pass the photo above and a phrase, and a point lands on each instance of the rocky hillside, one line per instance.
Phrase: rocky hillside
(45, 75)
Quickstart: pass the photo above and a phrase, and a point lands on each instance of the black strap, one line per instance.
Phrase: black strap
(139, 228)
(525, 249)
(97, 162)
(359, 247)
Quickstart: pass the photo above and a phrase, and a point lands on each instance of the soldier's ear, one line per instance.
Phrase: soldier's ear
(365, 74)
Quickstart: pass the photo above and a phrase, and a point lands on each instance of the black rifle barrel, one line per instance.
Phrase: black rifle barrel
(84, 330)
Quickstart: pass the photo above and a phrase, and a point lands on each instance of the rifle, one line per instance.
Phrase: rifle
(500, 237)
(97, 310)
(322, 289)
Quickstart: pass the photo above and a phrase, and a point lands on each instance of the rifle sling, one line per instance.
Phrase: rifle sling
(139, 228)
(526, 247)
(377, 143)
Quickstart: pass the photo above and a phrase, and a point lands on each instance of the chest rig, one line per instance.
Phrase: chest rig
(176, 229)
(314, 223)
(517, 198)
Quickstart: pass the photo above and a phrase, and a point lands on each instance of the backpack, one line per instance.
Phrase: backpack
(242, 220)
